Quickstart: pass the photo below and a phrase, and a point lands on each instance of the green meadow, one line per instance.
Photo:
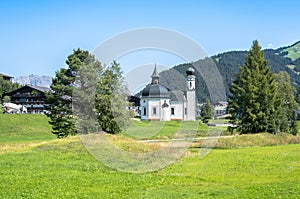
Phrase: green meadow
(24, 128)
(34, 164)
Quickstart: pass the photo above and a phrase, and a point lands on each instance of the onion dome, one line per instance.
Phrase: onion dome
(190, 71)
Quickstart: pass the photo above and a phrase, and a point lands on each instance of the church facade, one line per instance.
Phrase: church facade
(158, 103)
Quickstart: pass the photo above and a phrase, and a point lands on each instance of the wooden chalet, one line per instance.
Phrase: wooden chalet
(32, 97)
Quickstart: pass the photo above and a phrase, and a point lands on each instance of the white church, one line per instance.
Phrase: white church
(157, 103)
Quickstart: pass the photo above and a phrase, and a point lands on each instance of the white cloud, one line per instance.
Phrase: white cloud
(270, 45)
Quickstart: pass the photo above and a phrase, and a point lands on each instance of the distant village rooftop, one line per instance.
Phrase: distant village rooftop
(6, 77)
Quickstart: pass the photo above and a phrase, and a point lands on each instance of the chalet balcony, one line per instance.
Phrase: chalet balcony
(28, 102)
(27, 95)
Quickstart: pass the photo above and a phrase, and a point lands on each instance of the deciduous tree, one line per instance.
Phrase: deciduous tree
(111, 102)
(286, 104)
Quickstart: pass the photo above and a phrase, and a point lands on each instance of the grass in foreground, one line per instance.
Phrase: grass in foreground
(35, 165)
(64, 169)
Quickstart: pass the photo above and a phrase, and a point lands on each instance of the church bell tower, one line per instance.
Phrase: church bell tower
(190, 110)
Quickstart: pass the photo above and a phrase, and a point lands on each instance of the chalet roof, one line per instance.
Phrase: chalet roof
(7, 76)
(39, 88)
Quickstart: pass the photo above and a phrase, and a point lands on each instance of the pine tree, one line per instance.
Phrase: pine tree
(111, 103)
(207, 111)
(60, 98)
(252, 103)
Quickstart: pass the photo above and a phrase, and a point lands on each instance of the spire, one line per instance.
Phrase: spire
(155, 76)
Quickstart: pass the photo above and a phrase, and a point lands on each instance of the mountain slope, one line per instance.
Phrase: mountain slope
(282, 59)
(292, 51)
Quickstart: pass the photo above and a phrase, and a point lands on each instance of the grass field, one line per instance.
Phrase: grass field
(45, 167)
(162, 130)
(16, 127)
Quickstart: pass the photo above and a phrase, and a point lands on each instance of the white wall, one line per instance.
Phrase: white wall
(165, 113)
(191, 105)
(150, 104)
(154, 103)
(178, 111)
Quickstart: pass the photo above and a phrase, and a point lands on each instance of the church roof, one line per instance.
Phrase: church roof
(190, 71)
(177, 96)
(155, 91)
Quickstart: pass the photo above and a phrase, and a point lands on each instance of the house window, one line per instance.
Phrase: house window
(154, 111)
(144, 111)
(172, 111)
(185, 111)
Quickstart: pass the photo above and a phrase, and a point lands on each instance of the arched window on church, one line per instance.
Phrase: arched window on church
(144, 111)
(154, 111)
(190, 84)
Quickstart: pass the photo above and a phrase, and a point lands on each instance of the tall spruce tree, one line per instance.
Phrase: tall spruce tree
(252, 103)
(60, 98)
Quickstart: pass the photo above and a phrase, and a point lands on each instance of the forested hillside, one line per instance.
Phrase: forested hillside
(282, 59)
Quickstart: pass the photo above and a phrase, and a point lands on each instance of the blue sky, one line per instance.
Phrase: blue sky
(37, 36)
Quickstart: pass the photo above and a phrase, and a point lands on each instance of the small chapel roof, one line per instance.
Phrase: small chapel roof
(155, 90)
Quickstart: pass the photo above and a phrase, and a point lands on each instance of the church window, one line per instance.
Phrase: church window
(172, 111)
(185, 111)
(144, 111)
(190, 84)
(154, 111)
